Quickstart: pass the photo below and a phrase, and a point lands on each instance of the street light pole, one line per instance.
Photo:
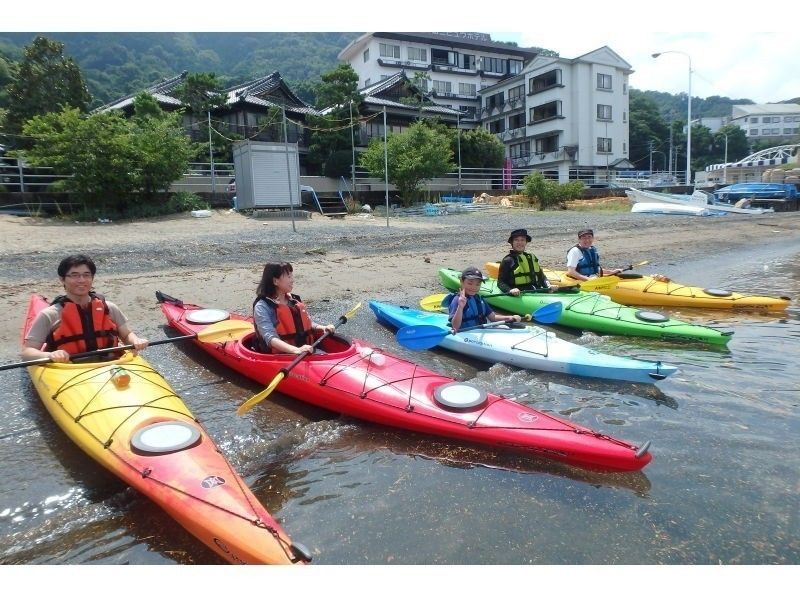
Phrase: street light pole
(725, 168)
(688, 114)
(458, 133)
(353, 146)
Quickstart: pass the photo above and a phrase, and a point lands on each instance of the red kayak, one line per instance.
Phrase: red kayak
(364, 382)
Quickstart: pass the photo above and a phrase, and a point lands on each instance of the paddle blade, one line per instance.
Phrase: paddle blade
(547, 314)
(432, 302)
(353, 311)
(224, 331)
(256, 399)
(419, 338)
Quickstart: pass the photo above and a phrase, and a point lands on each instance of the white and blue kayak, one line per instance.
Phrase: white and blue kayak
(530, 347)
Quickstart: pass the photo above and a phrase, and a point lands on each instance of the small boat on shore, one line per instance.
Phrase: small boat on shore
(529, 347)
(694, 204)
(364, 382)
(629, 288)
(124, 415)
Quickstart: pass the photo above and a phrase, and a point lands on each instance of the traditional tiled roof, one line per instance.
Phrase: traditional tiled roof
(372, 96)
(258, 92)
(160, 91)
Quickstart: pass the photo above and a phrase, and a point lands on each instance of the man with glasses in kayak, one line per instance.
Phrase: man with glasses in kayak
(520, 271)
(79, 320)
(583, 259)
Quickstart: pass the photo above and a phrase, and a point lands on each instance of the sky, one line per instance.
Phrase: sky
(727, 57)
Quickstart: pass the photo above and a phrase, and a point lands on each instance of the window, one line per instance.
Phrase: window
(765, 131)
(516, 93)
(366, 55)
(418, 54)
(604, 81)
(624, 148)
(493, 65)
(442, 86)
(753, 131)
(390, 51)
(603, 145)
(495, 101)
(547, 144)
(497, 126)
(624, 117)
(787, 119)
(517, 121)
(754, 119)
(514, 66)
(788, 131)
(545, 111)
(519, 150)
(367, 82)
(603, 112)
(624, 87)
(797, 119)
(544, 81)
(468, 111)
(444, 57)
(467, 89)
(466, 61)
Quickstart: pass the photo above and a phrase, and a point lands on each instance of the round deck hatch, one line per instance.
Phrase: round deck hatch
(459, 395)
(207, 316)
(165, 437)
(651, 316)
(717, 292)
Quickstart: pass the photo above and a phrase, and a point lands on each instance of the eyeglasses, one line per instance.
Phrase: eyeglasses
(77, 275)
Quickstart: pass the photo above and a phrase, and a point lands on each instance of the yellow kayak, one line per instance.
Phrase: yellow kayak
(639, 289)
(125, 416)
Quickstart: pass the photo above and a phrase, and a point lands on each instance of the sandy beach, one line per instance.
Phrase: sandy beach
(217, 261)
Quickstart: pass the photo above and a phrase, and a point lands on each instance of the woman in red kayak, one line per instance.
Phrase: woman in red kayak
(79, 320)
(282, 321)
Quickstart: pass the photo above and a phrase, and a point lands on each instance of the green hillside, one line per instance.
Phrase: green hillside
(117, 64)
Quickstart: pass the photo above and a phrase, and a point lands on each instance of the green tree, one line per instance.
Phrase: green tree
(481, 149)
(418, 154)
(201, 93)
(737, 143)
(330, 133)
(45, 82)
(110, 160)
(647, 129)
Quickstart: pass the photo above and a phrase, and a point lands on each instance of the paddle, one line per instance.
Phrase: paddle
(257, 398)
(215, 333)
(625, 269)
(425, 336)
(434, 302)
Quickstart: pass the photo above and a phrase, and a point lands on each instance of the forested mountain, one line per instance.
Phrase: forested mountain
(117, 64)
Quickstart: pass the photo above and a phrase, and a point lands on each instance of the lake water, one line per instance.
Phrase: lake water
(723, 486)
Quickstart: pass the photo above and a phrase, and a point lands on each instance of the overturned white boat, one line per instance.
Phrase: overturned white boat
(686, 209)
(702, 199)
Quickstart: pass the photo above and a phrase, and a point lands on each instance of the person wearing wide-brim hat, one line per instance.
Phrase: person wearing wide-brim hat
(467, 308)
(583, 259)
(519, 270)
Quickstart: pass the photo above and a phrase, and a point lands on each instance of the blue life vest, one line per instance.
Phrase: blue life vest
(589, 263)
(475, 313)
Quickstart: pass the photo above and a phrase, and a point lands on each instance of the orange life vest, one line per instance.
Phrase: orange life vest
(294, 323)
(83, 330)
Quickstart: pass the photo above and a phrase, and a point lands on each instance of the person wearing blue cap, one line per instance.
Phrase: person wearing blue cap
(519, 270)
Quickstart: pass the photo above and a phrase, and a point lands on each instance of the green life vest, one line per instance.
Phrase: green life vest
(526, 263)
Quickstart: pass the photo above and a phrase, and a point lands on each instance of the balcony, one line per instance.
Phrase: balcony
(408, 64)
(451, 68)
(450, 94)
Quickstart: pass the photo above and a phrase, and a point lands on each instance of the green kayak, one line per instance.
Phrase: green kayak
(595, 312)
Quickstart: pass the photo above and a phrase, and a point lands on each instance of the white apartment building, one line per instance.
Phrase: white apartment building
(772, 122)
(453, 67)
(565, 117)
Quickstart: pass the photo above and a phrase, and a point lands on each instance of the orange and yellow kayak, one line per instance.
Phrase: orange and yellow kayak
(639, 289)
(125, 416)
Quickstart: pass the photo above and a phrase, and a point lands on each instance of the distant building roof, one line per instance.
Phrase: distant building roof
(160, 91)
(468, 40)
(745, 109)
(388, 92)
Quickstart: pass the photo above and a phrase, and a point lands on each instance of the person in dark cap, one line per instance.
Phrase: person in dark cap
(467, 307)
(583, 259)
(520, 270)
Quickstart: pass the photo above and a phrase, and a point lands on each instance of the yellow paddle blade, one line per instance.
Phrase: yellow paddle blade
(256, 399)
(224, 331)
(432, 302)
(352, 312)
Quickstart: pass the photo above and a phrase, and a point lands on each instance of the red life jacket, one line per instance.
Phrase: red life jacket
(294, 323)
(83, 330)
